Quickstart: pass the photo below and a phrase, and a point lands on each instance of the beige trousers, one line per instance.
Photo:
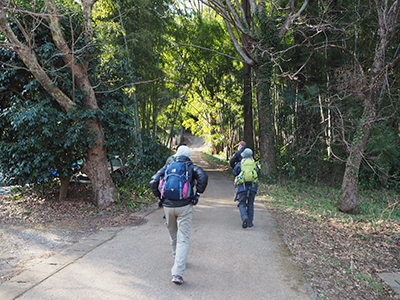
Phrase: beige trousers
(179, 224)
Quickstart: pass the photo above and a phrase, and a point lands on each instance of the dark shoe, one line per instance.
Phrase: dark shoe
(177, 279)
(244, 224)
(250, 225)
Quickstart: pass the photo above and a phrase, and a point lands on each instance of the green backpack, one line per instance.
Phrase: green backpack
(249, 171)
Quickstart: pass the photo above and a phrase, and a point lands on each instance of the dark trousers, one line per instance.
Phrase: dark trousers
(246, 205)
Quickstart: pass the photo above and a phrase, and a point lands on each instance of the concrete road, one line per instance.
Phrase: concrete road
(225, 261)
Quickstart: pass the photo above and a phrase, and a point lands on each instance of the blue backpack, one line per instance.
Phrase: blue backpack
(176, 182)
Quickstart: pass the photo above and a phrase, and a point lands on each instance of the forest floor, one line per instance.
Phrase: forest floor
(339, 260)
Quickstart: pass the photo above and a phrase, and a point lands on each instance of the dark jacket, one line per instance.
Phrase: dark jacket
(244, 187)
(237, 157)
(170, 160)
(198, 178)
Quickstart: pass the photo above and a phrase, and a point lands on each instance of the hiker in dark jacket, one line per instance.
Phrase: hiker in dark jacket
(179, 213)
(235, 159)
(246, 192)
(170, 160)
(237, 156)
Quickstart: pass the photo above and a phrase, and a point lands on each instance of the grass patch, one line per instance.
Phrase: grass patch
(219, 162)
(320, 203)
(215, 159)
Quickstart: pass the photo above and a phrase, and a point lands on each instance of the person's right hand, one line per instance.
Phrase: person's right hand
(195, 199)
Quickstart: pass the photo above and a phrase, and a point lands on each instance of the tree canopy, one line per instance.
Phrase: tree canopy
(311, 85)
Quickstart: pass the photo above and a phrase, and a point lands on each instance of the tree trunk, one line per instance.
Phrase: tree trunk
(96, 168)
(247, 98)
(388, 23)
(349, 196)
(349, 201)
(265, 119)
(64, 181)
(247, 101)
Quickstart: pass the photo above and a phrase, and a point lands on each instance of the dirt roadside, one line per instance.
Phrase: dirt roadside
(32, 229)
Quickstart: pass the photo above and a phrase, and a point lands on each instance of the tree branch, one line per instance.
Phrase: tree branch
(290, 19)
(28, 56)
(79, 70)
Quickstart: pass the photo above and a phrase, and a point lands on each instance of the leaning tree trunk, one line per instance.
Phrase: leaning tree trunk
(96, 164)
(388, 16)
(349, 200)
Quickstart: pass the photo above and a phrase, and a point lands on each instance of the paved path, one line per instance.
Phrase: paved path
(225, 261)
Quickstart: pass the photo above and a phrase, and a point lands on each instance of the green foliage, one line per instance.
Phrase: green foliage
(154, 156)
(155, 153)
(382, 164)
(116, 108)
(211, 108)
(216, 159)
(129, 34)
(315, 201)
(380, 204)
(220, 162)
(38, 140)
(134, 186)
(301, 152)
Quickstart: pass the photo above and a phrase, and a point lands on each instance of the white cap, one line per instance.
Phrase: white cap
(183, 151)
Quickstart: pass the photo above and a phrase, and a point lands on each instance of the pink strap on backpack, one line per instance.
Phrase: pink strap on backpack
(161, 185)
(185, 190)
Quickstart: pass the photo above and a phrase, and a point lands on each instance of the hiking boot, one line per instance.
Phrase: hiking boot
(245, 221)
(177, 279)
